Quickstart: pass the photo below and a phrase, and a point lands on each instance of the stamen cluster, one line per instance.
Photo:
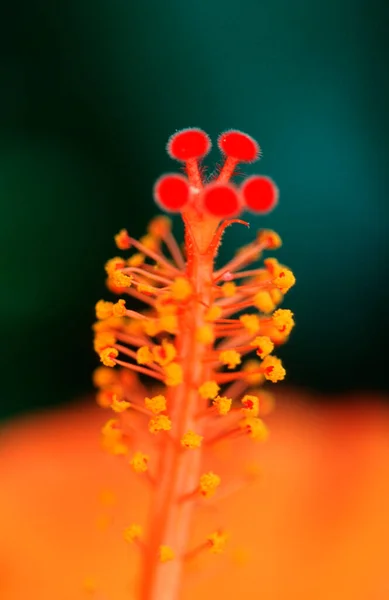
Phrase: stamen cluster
(190, 364)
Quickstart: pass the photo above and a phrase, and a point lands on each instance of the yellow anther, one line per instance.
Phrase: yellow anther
(118, 405)
(107, 356)
(284, 280)
(133, 532)
(104, 398)
(149, 241)
(209, 482)
(272, 369)
(145, 288)
(160, 423)
(144, 356)
(191, 440)
(107, 325)
(112, 438)
(166, 553)
(228, 289)
(231, 358)
(250, 405)
(168, 323)
(122, 240)
(283, 320)
(251, 368)
(103, 310)
(222, 404)
(103, 340)
(151, 326)
(157, 404)
(164, 305)
(205, 334)
(104, 377)
(270, 238)
(276, 295)
(251, 323)
(181, 289)
(160, 226)
(136, 260)
(121, 280)
(217, 542)
(263, 301)
(114, 264)
(139, 462)
(255, 428)
(263, 344)
(164, 354)
(209, 389)
(213, 313)
(173, 374)
(119, 309)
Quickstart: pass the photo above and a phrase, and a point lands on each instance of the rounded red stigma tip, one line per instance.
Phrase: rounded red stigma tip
(221, 200)
(188, 143)
(171, 192)
(239, 145)
(260, 194)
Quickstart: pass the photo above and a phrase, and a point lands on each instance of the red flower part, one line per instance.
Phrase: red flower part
(260, 194)
(190, 143)
(171, 192)
(238, 145)
(221, 200)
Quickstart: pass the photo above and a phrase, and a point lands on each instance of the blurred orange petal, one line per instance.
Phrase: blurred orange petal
(314, 526)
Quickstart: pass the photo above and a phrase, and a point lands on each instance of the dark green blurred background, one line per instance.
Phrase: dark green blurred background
(90, 92)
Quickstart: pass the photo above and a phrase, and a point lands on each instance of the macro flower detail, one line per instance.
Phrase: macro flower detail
(183, 374)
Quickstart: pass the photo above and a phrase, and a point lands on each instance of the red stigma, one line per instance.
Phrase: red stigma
(221, 200)
(171, 192)
(188, 144)
(260, 194)
(239, 145)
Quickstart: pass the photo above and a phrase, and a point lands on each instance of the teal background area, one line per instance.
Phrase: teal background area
(90, 92)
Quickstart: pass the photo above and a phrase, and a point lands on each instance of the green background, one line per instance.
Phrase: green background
(90, 92)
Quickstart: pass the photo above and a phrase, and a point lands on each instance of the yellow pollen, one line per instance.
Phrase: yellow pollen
(103, 340)
(133, 532)
(255, 428)
(104, 377)
(168, 323)
(191, 440)
(119, 309)
(136, 260)
(112, 438)
(228, 289)
(252, 377)
(173, 374)
(213, 313)
(165, 353)
(156, 405)
(166, 553)
(103, 310)
(251, 323)
(209, 482)
(231, 358)
(114, 264)
(122, 240)
(263, 301)
(160, 226)
(283, 320)
(217, 542)
(272, 369)
(264, 345)
(284, 280)
(144, 356)
(209, 389)
(107, 355)
(270, 238)
(149, 241)
(145, 288)
(205, 335)
(160, 423)
(119, 406)
(151, 326)
(139, 462)
(250, 405)
(222, 404)
(121, 280)
(181, 289)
